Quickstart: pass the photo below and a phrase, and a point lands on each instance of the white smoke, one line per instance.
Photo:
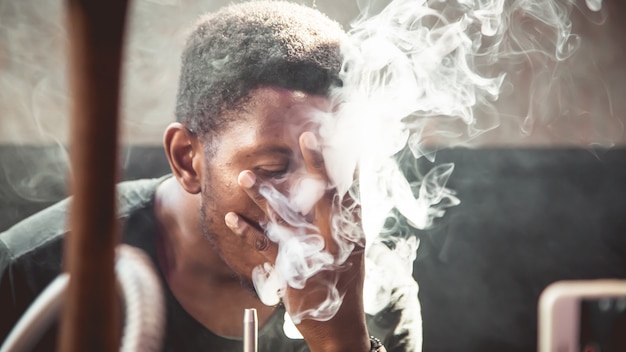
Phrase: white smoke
(417, 77)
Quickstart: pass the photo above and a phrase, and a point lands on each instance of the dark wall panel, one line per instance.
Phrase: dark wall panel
(528, 217)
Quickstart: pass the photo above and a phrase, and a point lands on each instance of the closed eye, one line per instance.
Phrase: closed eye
(271, 171)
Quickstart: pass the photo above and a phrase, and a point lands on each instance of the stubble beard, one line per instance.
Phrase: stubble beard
(214, 242)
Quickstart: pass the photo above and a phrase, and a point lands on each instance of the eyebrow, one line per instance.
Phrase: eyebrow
(271, 149)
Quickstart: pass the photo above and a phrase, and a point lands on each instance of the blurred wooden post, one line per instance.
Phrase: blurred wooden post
(91, 318)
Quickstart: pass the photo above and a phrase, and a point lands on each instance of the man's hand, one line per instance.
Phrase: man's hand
(346, 330)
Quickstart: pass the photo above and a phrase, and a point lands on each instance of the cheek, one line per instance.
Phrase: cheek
(225, 195)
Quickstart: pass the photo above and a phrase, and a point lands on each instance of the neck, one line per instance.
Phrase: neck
(196, 275)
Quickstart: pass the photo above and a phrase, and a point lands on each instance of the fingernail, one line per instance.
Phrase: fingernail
(231, 219)
(309, 141)
(247, 179)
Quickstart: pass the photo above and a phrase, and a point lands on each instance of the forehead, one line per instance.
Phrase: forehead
(273, 116)
(279, 104)
(274, 110)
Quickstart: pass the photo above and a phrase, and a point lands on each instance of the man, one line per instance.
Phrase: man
(252, 76)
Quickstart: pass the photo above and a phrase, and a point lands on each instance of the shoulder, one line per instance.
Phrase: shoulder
(136, 194)
(35, 231)
(31, 251)
(30, 257)
(50, 224)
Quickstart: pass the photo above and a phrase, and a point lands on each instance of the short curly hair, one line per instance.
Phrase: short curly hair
(248, 45)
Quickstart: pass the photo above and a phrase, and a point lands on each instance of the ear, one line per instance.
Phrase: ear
(185, 155)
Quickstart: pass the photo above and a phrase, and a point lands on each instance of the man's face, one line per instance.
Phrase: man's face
(262, 138)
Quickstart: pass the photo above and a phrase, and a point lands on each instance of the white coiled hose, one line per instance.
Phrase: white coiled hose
(142, 298)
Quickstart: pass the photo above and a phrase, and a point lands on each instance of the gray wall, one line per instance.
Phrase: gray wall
(577, 102)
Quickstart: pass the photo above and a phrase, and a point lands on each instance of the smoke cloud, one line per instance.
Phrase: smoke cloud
(419, 76)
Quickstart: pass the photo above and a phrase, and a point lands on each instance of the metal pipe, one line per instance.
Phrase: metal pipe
(250, 330)
(91, 319)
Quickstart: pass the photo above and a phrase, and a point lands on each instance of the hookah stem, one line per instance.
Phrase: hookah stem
(250, 330)
(90, 320)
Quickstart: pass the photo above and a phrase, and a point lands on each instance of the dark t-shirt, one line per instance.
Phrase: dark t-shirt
(31, 256)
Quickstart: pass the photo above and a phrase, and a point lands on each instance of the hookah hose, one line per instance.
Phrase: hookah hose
(142, 299)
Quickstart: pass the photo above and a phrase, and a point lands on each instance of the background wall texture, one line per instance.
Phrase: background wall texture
(536, 207)
(581, 101)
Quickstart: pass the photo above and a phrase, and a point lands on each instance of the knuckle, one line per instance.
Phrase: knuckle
(258, 240)
(318, 161)
(261, 243)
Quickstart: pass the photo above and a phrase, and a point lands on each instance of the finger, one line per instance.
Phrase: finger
(314, 161)
(248, 181)
(251, 236)
(313, 158)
